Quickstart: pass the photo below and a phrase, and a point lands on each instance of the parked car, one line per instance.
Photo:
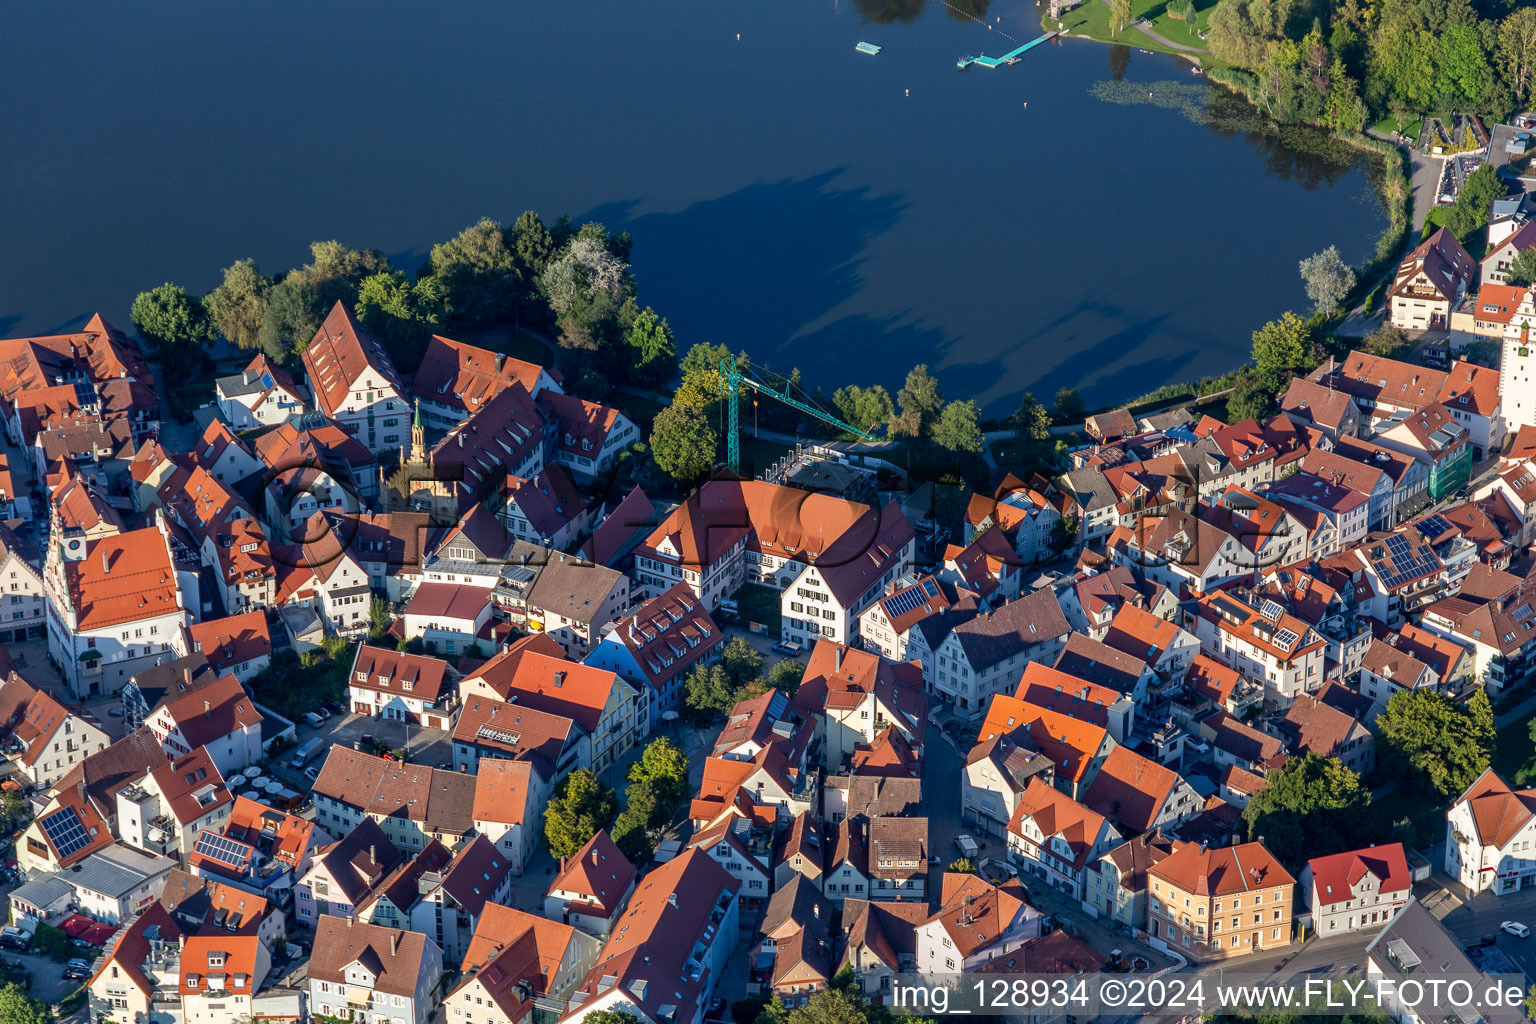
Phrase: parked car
(312, 772)
(324, 713)
(716, 1008)
(15, 938)
(787, 647)
(335, 707)
(314, 720)
(1516, 929)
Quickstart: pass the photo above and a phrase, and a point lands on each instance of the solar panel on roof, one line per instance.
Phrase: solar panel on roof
(904, 601)
(65, 832)
(222, 848)
(1271, 610)
(931, 587)
(1286, 639)
(1397, 545)
(1433, 526)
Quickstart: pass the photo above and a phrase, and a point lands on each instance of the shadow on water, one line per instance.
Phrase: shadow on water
(890, 12)
(754, 267)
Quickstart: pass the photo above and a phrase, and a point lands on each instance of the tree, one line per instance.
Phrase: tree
(52, 942)
(921, 402)
(1241, 31)
(652, 348)
(785, 676)
(1386, 340)
(400, 314)
(1328, 280)
(1474, 202)
(1403, 64)
(683, 443)
(379, 618)
(608, 1017)
(1282, 350)
(1068, 404)
(532, 244)
(239, 303)
(959, 428)
(1441, 748)
(1464, 74)
(17, 1007)
(1191, 17)
(580, 807)
(585, 286)
(1517, 52)
(864, 408)
(174, 324)
(1119, 15)
(630, 832)
(334, 262)
(292, 317)
(741, 661)
(1030, 421)
(665, 767)
(829, 1007)
(702, 384)
(1530, 996)
(478, 273)
(963, 866)
(1310, 807)
(1251, 398)
(708, 691)
(1522, 268)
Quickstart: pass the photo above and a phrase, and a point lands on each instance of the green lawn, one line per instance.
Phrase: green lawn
(1091, 18)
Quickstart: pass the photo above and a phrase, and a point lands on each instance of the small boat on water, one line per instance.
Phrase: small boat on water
(869, 48)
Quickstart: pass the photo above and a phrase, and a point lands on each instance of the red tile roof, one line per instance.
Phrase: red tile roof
(1335, 876)
(340, 353)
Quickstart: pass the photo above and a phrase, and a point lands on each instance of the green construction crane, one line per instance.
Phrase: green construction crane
(734, 379)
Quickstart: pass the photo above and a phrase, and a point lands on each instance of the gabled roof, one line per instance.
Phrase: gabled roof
(465, 377)
(502, 791)
(598, 872)
(993, 636)
(515, 956)
(395, 958)
(1069, 743)
(441, 800)
(1057, 815)
(124, 578)
(1335, 876)
(339, 354)
(1131, 790)
(551, 684)
(417, 676)
(573, 589)
(359, 861)
(232, 640)
(212, 711)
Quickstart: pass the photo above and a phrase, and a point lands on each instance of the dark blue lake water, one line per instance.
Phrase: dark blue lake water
(851, 215)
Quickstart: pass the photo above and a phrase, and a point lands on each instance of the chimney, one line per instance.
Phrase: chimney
(394, 944)
(596, 859)
(839, 665)
(559, 680)
(106, 563)
(672, 898)
(207, 707)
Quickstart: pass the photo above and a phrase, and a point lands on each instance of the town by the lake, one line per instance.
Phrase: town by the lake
(823, 512)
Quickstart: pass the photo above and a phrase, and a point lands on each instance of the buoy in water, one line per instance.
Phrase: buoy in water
(738, 37)
(909, 92)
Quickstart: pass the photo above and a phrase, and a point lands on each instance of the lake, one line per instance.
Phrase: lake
(849, 214)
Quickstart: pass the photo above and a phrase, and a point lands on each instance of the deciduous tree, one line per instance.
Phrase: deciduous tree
(1282, 349)
(921, 401)
(683, 443)
(1068, 404)
(174, 324)
(239, 303)
(652, 348)
(478, 273)
(1310, 807)
(864, 408)
(1439, 747)
(959, 428)
(1328, 280)
(580, 807)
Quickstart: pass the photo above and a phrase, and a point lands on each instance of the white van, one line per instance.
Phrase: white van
(314, 720)
(304, 753)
